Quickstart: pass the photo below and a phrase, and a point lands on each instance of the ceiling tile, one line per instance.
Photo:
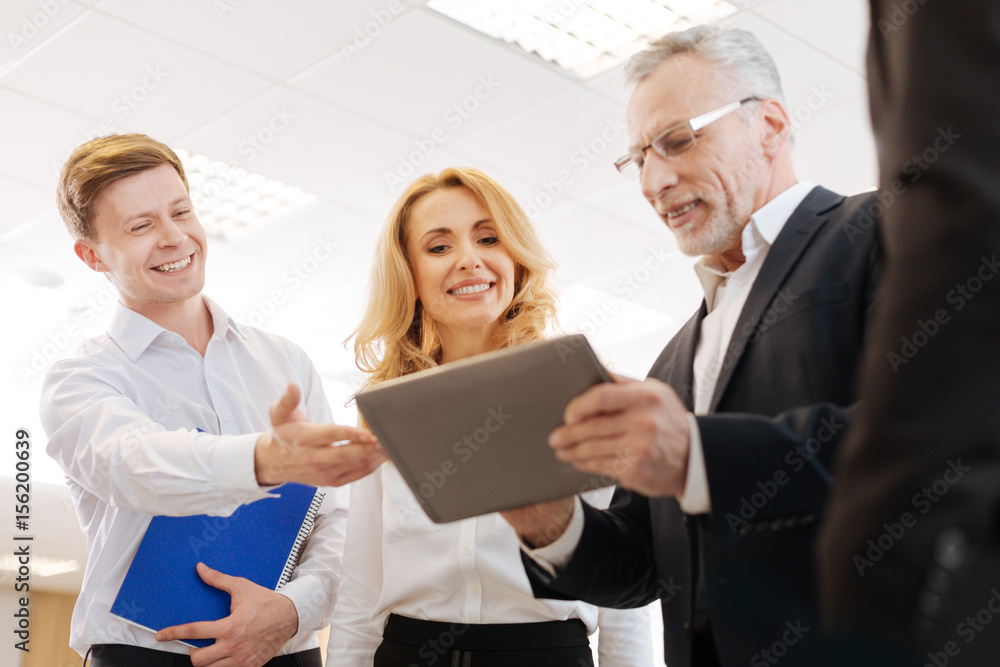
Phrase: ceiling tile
(131, 78)
(270, 38)
(811, 79)
(27, 24)
(22, 202)
(378, 193)
(612, 84)
(838, 29)
(300, 140)
(37, 137)
(463, 84)
(844, 129)
(566, 145)
(372, 195)
(321, 226)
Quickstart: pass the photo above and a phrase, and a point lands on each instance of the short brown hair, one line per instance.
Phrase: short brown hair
(98, 163)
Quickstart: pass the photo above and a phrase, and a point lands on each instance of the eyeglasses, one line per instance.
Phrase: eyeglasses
(676, 140)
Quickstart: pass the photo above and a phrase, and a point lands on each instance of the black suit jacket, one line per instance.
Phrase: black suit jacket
(931, 401)
(779, 409)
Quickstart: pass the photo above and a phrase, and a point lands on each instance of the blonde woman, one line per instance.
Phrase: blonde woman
(458, 271)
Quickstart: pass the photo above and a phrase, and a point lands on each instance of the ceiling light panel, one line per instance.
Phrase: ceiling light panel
(230, 200)
(585, 37)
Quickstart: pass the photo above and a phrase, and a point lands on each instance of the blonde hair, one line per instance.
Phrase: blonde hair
(98, 163)
(395, 336)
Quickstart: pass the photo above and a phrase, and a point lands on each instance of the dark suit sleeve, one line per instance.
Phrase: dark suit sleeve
(621, 578)
(761, 468)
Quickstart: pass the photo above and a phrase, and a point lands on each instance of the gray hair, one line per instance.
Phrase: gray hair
(737, 52)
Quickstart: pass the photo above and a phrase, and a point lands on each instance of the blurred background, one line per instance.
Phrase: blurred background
(301, 121)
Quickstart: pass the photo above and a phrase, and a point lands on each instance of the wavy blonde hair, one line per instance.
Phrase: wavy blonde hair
(396, 337)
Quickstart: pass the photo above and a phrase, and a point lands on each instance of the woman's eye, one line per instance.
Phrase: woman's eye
(489, 240)
(437, 250)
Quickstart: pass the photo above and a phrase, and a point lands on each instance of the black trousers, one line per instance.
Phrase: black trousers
(409, 642)
(122, 655)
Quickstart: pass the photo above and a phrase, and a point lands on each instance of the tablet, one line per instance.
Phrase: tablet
(471, 437)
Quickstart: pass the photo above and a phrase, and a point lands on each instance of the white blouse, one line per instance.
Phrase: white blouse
(396, 560)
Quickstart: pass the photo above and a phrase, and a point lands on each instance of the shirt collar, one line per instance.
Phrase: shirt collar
(222, 323)
(770, 219)
(134, 333)
(759, 234)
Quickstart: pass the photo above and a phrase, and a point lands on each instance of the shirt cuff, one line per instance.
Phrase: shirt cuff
(555, 556)
(233, 461)
(308, 607)
(696, 499)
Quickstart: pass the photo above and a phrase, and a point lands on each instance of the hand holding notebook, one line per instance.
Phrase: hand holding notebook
(260, 542)
(267, 616)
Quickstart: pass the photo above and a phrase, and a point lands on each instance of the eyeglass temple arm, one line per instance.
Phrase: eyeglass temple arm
(712, 116)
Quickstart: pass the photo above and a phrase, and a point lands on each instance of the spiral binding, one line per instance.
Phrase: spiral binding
(300, 539)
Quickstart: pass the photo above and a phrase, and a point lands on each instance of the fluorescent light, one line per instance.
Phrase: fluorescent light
(230, 200)
(585, 37)
(43, 566)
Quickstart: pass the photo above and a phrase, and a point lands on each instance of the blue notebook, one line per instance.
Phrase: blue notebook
(260, 541)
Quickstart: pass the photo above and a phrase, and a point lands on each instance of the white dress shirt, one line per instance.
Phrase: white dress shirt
(397, 560)
(725, 295)
(123, 418)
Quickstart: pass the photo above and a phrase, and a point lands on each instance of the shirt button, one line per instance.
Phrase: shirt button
(474, 589)
(225, 419)
(467, 551)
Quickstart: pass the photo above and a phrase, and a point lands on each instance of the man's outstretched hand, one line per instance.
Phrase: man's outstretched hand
(296, 450)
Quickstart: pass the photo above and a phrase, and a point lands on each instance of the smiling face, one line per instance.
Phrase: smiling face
(706, 195)
(463, 274)
(148, 240)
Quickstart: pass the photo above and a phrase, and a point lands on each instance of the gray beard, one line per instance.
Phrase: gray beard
(720, 234)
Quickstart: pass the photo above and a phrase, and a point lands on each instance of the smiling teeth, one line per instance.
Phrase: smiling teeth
(682, 210)
(471, 289)
(173, 266)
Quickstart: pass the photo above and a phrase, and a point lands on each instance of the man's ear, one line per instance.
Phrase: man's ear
(86, 251)
(777, 126)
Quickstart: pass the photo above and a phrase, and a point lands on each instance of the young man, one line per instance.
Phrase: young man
(722, 454)
(166, 413)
